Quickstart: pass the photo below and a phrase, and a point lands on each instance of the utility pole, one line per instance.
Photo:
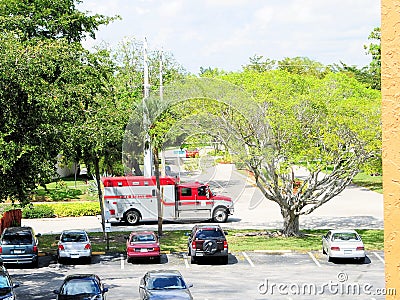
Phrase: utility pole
(157, 165)
(147, 161)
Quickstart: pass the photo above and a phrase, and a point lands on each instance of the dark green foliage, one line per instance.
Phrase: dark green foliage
(38, 211)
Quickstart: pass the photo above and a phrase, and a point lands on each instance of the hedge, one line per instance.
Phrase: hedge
(70, 209)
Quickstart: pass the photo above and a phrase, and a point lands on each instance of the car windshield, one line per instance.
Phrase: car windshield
(166, 282)
(345, 236)
(17, 239)
(143, 238)
(5, 285)
(209, 233)
(80, 286)
(73, 237)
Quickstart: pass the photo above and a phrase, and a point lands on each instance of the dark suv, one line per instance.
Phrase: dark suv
(207, 241)
(19, 245)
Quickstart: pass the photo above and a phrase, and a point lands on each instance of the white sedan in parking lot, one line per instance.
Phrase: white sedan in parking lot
(74, 244)
(341, 243)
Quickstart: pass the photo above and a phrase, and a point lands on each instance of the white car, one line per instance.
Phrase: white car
(341, 243)
(74, 244)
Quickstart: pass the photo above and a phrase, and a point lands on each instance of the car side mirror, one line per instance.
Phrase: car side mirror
(187, 234)
(38, 235)
(226, 232)
(190, 285)
(126, 237)
(141, 286)
(56, 292)
(16, 284)
(105, 290)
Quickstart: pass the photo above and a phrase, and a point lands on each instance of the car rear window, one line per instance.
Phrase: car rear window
(73, 237)
(17, 239)
(143, 238)
(80, 286)
(345, 236)
(209, 233)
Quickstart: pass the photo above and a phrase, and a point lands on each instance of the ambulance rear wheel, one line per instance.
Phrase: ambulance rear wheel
(132, 217)
(220, 215)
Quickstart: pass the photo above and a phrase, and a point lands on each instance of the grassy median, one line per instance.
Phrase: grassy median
(239, 240)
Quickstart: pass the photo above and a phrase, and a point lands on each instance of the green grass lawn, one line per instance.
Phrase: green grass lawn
(176, 241)
(66, 189)
(373, 183)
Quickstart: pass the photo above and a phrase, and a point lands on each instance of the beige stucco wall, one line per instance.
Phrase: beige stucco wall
(390, 47)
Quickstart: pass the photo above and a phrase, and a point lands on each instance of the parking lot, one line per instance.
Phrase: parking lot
(248, 275)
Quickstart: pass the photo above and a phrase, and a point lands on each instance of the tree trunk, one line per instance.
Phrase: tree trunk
(100, 192)
(290, 222)
(158, 193)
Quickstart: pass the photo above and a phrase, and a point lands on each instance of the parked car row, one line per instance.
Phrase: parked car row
(156, 284)
(19, 245)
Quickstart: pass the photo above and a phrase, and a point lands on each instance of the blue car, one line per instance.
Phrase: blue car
(82, 287)
(19, 245)
(6, 284)
(164, 284)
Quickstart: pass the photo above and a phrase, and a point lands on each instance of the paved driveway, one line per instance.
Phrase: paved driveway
(355, 207)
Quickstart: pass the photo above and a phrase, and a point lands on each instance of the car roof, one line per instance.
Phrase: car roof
(74, 231)
(82, 276)
(343, 231)
(142, 232)
(155, 273)
(208, 227)
(18, 229)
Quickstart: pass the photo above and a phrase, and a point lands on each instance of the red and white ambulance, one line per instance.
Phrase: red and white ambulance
(133, 198)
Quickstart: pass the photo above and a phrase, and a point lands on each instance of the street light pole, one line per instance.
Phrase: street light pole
(147, 161)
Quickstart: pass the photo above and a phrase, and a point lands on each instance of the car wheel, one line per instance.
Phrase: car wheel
(132, 217)
(193, 259)
(220, 215)
(35, 264)
(158, 259)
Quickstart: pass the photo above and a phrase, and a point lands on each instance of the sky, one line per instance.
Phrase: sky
(224, 34)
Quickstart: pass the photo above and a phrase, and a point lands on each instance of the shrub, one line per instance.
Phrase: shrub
(38, 211)
(69, 209)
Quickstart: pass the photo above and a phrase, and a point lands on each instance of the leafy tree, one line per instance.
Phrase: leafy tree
(45, 85)
(49, 19)
(259, 64)
(316, 136)
(41, 92)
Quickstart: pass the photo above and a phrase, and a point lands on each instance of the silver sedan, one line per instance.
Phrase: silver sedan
(74, 244)
(341, 243)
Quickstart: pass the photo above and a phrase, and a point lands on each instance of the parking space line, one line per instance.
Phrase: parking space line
(248, 258)
(185, 259)
(379, 257)
(314, 259)
(122, 261)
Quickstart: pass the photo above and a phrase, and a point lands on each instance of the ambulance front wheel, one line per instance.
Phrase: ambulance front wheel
(220, 215)
(132, 217)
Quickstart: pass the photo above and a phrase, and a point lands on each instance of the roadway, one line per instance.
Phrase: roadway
(355, 207)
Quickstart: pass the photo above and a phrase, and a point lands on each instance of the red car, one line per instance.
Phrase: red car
(192, 153)
(143, 244)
